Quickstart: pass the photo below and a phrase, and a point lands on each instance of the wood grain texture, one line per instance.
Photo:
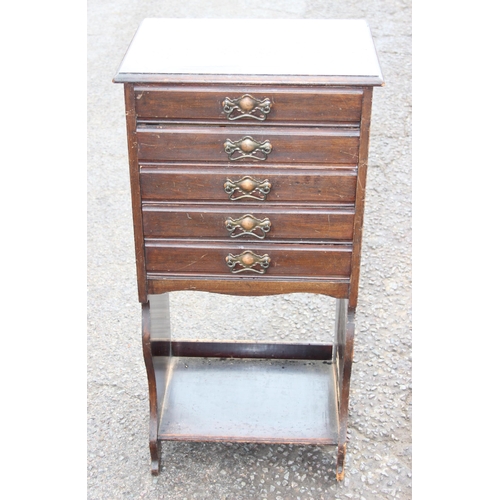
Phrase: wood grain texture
(288, 105)
(135, 191)
(200, 143)
(183, 175)
(360, 196)
(154, 445)
(345, 340)
(209, 221)
(248, 286)
(177, 257)
(289, 184)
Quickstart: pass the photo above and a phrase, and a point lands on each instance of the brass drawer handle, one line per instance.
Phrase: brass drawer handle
(247, 187)
(246, 261)
(247, 224)
(247, 147)
(246, 106)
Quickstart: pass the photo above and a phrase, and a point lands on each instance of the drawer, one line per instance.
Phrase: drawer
(212, 258)
(246, 223)
(247, 105)
(272, 144)
(239, 185)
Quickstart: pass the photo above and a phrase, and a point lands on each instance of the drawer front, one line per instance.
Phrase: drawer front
(251, 260)
(240, 185)
(236, 105)
(246, 224)
(271, 145)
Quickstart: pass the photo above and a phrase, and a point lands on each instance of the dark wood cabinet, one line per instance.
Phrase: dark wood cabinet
(248, 176)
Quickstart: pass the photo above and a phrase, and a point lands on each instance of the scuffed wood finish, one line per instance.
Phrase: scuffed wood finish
(205, 221)
(360, 196)
(250, 286)
(154, 444)
(288, 105)
(177, 257)
(155, 329)
(201, 143)
(300, 188)
(345, 354)
(135, 191)
(290, 184)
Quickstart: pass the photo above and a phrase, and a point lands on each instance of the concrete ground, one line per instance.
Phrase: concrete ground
(378, 464)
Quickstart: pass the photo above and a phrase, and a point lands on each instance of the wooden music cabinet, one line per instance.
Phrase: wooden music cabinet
(248, 159)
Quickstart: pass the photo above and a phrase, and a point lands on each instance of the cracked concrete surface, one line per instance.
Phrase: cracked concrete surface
(378, 463)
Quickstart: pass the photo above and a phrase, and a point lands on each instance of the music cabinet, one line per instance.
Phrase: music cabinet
(248, 147)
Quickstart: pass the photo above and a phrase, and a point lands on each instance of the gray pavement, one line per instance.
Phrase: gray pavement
(378, 464)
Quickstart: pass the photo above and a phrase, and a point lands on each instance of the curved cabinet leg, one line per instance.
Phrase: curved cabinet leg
(154, 444)
(340, 461)
(345, 353)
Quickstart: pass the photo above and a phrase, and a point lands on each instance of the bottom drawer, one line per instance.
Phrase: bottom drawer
(181, 258)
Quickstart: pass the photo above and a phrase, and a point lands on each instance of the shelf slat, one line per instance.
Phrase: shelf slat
(241, 349)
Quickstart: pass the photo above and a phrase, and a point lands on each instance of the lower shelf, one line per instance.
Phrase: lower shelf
(247, 400)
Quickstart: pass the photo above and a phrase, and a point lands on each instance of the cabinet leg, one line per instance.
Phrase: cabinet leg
(154, 446)
(344, 354)
(155, 450)
(340, 461)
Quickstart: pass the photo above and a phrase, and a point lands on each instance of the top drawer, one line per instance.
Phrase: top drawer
(248, 104)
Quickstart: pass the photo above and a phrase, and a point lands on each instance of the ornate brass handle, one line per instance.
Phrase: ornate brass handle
(247, 187)
(247, 147)
(247, 224)
(246, 106)
(246, 261)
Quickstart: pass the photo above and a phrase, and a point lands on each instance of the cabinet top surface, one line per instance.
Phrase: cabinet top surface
(339, 51)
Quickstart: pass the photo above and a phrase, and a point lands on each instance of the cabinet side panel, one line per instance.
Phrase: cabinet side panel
(360, 195)
(135, 190)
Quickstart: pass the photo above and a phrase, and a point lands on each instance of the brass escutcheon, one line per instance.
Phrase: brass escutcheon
(247, 187)
(246, 106)
(246, 261)
(247, 147)
(247, 224)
